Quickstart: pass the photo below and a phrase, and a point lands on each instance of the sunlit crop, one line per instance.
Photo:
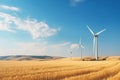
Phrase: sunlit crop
(60, 70)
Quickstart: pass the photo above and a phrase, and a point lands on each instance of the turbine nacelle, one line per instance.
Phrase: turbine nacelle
(95, 35)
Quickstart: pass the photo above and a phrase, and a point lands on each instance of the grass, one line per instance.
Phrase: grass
(61, 69)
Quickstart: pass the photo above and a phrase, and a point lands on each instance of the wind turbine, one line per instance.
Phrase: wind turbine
(81, 46)
(71, 53)
(95, 41)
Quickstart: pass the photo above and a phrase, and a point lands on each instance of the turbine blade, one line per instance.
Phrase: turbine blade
(90, 30)
(100, 31)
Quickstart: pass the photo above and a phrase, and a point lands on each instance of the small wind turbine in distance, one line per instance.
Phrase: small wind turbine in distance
(81, 46)
(95, 41)
(71, 53)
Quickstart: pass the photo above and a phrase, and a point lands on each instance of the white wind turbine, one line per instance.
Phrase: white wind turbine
(81, 47)
(71, 53)
(95, 41)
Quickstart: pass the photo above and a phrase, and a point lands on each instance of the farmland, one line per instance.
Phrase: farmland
(61, 69)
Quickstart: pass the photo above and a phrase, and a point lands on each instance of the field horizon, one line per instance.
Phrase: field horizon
(45, 57)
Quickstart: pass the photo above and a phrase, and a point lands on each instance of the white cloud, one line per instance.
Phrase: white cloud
(40, 48)
(74, 46)
(5, 21)
(32, 48)
(59, 49)
(60, 45)
(75, 2)
(43, 48)
(35, 28)
(12, 8)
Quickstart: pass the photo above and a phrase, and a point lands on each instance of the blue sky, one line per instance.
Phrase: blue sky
(52, 27)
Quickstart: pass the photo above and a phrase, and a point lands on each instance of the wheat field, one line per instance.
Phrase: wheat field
(60, 70)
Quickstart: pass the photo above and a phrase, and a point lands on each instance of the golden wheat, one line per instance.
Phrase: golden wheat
(59, 70)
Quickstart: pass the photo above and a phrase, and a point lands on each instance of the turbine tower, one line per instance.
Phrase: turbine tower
(81, 46)
(95, 41)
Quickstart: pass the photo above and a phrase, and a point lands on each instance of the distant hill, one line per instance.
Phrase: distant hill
(27, 57)
(42, 58)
